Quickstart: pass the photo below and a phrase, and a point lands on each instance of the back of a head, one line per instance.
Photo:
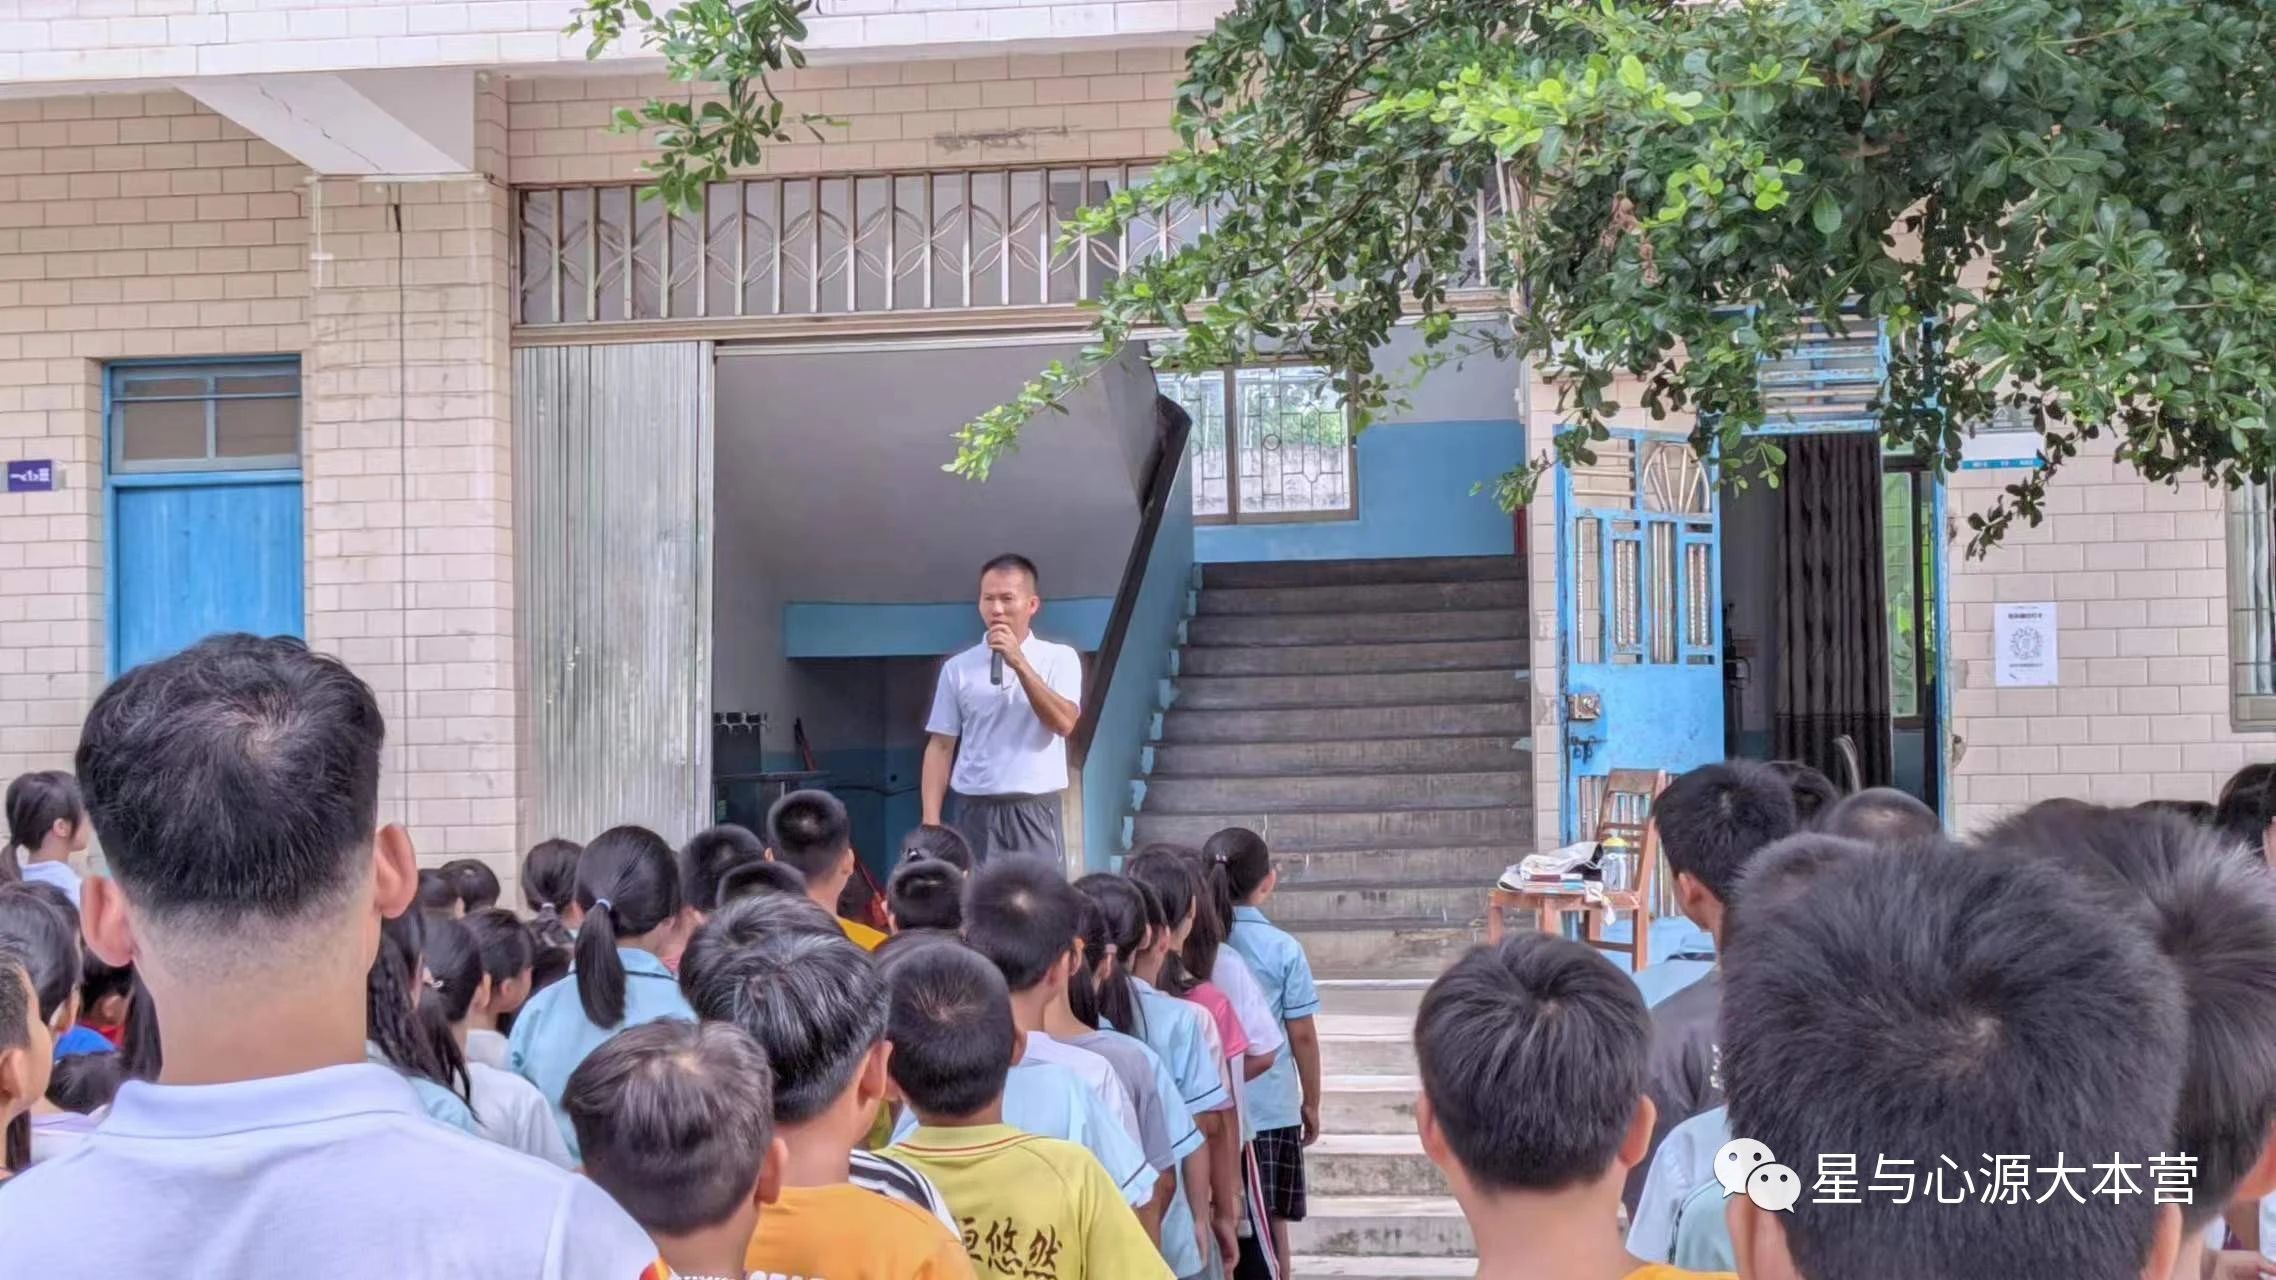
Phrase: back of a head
(2211, 909)
(1880, 815)
(19, 1010)
(931, 840)
(673, 1120)
(403, 1014)
(749, 920)
(1812, 791)
(438, 895)
(235, 786)
(1164, 871)
(84, 1082)
(1532, 1056)
(1241, 857)
(508, 946)
(810, 831)
(926, 894)
(707, 858)
(1022, 917)
(1712, 819)
(2202, 812)
(1783, 869)
(35, 803)
(549, 876)
(951, 1027)
(628, 882)
(1120, 908)
(813, 1001)
(757, 879)
(1936, 1001)
(44, 932)
(476, 883)
(2248, 805)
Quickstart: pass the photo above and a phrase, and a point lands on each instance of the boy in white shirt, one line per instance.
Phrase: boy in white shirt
(235, 786)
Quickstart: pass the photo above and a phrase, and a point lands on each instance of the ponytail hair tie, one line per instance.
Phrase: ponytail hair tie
(602, 904)
(1219, 859)
(547, 909)
(1111, 949)
(434, 983)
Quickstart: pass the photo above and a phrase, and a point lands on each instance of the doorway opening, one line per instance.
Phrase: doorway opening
(1829, 605)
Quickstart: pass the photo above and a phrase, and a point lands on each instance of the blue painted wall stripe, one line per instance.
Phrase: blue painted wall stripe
(1414, 500)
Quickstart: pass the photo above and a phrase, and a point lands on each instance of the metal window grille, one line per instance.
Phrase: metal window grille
(2252, 605)
(1269, 443)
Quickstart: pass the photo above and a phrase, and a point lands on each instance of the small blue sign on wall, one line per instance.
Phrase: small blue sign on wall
(32, 475)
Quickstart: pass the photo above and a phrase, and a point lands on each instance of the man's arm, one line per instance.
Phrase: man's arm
(1057, 711)
(940, 757)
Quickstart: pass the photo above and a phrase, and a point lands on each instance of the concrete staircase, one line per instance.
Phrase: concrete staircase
(1370, 719)
(1378, 1209)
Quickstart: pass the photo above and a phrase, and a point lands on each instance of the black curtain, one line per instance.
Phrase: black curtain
(1833, 674)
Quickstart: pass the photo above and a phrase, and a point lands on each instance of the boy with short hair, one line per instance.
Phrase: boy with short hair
(1532, 1058)
(810, 831)
(1930, 1003)
(707, 858)
(1710, 820)
(817, 1005)
(249, 902)
(1881, 815)
(476, 884)
(925, 893)
(1030, 1206)
(674, 1121)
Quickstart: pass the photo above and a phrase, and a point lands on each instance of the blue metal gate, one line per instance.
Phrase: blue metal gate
(1641, 633)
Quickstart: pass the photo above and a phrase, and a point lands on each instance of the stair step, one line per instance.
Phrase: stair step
(1303, 1266)
(1511, 654)
(1508, 718)
(1358, 1045)
(1369, 1164)
(1398, 688)
(1389, 948)
(1461, 902)
(1382, 1229)
(1380, 997)
(1355, 628)
(1365, 828)
(1367, 757)
(1368, 1104)
(1300, 573)
(1361, 598)
(1279, 795)
(1476, 864)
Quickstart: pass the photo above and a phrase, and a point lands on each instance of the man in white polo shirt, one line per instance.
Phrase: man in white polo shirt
(235, 788)
(1000, 719)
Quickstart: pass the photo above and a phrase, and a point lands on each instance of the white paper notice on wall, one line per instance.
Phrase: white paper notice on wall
(2024, 645)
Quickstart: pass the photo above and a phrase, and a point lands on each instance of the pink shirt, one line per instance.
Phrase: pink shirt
(1220, 1010)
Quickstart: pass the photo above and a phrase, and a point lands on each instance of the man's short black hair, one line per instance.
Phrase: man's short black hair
(1013, 560)
(810, 831)
(2211, 908)
(709, 855)
(1714, 818)
(813, 1001)
(476, 883)
(1880, 814)
(2248, 805)
(236, 782)
(1021, 915)
(1532, 1055)
(1929, 1002)
(933, 841)
(754, 879)
(673, 1120)
(951, 1027)
(926, 894)
(1812, 790)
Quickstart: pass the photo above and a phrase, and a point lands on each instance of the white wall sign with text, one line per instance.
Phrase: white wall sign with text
(2024, 645)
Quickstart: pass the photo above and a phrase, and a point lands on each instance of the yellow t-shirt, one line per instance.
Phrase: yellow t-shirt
(843, 1232)
(1662, 1271)
(866, 938)
(1032, 1208)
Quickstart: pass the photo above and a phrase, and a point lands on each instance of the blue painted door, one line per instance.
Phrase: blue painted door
(197, 554)
(1640, 582)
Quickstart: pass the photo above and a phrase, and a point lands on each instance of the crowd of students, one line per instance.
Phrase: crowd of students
(266, 1043)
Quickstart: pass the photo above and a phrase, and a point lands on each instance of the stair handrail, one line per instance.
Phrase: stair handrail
(1173, 425)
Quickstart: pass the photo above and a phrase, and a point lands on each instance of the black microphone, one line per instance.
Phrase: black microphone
(996, 668)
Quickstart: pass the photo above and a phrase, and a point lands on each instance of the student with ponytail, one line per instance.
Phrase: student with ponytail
(395, 1035)
(549, 887)
(47, 821)
(1285, 1101)
(509, 960)
(507, 1109)
(628, 889)
(1172, 1142)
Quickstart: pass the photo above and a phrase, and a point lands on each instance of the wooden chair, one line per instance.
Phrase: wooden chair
(1625, 811)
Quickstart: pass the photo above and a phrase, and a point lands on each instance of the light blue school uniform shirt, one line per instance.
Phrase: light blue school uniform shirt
(336, 1171)
(1685, 1160)
(1165, 1127)
(1178, 1032)
(58, 874)
(436, 1101)
(1049, 1101)
(1276, 1098)
(552, 1034)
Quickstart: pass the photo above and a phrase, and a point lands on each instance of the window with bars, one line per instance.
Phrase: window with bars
(1270, 443)
(2252, 607)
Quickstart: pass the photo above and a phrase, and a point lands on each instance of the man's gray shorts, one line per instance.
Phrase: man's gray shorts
(1010, 825)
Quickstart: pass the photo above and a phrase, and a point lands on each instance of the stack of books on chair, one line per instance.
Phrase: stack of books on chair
(1559, 871)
